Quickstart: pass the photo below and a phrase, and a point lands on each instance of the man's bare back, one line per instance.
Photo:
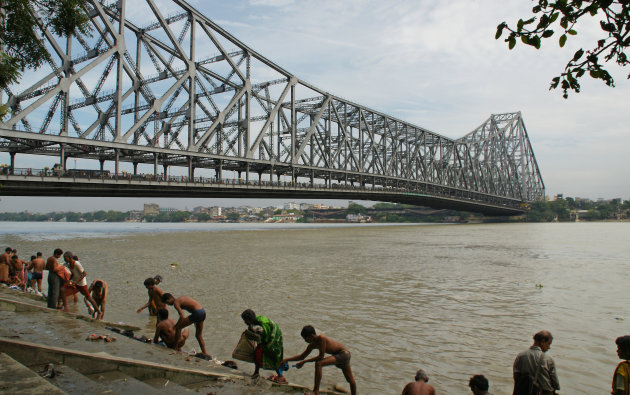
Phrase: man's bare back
(38, 264)
(329, 345)
(418, 388)
(165, 329)
(187, 303)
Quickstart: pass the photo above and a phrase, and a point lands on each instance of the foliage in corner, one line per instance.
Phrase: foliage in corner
(565, 15)
(20, 32)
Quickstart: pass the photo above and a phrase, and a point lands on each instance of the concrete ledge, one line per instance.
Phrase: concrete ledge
(16, 378)
(9, 304)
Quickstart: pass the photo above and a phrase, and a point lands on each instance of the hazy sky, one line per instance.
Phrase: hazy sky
(435, 64)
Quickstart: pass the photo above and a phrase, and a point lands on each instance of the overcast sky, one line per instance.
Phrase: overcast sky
(435, 64)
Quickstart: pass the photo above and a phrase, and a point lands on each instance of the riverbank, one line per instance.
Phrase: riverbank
(35, 336)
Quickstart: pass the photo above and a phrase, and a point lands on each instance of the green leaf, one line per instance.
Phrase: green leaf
(554, 16)
(594, 73)
(547, 33)
(519, 25)
(572, 32)
(524, 39)
(563, 40)
(499, 31)
(535, 41)
(578, 55)
(512, 42)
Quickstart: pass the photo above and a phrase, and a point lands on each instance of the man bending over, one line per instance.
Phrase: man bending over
(340, 357)
(197, 316)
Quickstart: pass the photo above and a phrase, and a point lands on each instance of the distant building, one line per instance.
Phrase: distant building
(168, 210)
(135, 215)
(214, 211)
(290, 217)
(320, 207)
(151, 209)
(305, 206)
(291, 206)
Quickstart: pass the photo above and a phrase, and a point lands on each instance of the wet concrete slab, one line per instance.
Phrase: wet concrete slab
(16, 378)
(27, 320)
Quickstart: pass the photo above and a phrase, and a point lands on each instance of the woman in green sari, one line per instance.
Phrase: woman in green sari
(269, 349)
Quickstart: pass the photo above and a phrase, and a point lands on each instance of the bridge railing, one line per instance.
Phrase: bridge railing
(419, 188)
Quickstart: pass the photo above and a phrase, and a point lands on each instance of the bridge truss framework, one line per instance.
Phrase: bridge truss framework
(177, 90)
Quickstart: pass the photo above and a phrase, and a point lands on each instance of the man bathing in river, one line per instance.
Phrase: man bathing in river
(165, 329)
(98, 291)
(197, 316)
(54, 281)
(38, 271)
(77, 283)
(340, 357)
(155, 303)
(420, 386)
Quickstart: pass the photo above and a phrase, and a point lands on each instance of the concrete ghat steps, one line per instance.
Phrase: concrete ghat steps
(166, 386)
(121, 383)
(73, 382)
(16, 378)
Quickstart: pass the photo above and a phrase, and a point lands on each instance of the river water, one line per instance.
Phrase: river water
(456, 300)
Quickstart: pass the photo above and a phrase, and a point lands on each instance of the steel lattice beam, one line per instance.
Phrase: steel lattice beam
(185, 91)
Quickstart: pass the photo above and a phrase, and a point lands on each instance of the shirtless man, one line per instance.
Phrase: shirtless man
(155, 303)
(38, 271)
(4, 258)
(4, 267)
(165, 329)
(98, 291)
(340, 357)
(420, 386)
(197, 316)
(77, 282)
(54, 281)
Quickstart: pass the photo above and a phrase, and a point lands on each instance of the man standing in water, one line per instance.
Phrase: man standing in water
(197, 316)
(535, 366)
(420, 386)
(621, 377)
(38, 271)
(155, 303)
(340, 357)
(54, 281)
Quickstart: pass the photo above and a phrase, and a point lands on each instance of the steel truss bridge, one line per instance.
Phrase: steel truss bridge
(158, 84)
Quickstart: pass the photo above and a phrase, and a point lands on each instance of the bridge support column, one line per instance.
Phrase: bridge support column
(135, 168)
(247, 173)
(155, 165)
(12, 167)
(165, 166)
(62, 156)
(116, 160)
(312, 177)
(259, 177)
(102, 163)
(220, 170)
(191, 169)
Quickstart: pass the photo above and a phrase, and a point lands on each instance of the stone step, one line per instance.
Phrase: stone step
(121, 383)
(73, 382)
(16, 378)
(167, 386)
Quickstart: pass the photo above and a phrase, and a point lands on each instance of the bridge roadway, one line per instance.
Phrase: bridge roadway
(36, 182)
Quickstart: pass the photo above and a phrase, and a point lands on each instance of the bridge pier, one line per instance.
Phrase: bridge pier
(155, 165)
(135, 168)
(62, 156)
(165, 166)
(102, 163)
(191, 169)
(116, 160)
(12, 166)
